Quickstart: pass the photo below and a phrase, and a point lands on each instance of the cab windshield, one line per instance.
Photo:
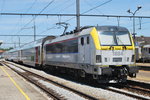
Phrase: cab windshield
(115, 38)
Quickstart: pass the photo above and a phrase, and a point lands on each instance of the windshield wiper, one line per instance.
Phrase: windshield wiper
(121, 42)
(111, 46)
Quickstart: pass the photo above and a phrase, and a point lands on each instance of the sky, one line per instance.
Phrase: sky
(46, 25)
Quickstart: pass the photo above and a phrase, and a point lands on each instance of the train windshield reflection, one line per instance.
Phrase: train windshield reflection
(116, 38)
(123, 38)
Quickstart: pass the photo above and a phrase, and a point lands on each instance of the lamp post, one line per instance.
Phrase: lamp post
(133, 13)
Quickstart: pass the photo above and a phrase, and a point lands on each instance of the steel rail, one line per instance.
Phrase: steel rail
(128, 94)
(140, 84)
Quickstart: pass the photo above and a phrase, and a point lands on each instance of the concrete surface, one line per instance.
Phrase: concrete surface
(143, 76)
(14, 87)
(143, 64)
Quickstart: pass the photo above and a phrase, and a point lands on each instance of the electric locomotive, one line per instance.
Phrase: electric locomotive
(104, 52)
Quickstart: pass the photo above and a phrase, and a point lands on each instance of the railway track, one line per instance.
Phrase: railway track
(136, 96)
(132, 89)
(33, 78)
(126, 89)
(138, 87)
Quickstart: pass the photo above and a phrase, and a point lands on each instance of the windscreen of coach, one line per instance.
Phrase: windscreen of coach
(114, 38)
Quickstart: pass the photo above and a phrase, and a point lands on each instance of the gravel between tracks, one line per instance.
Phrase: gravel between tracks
(66, 94)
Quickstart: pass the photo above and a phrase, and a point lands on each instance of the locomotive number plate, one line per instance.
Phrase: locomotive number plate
(118, 53)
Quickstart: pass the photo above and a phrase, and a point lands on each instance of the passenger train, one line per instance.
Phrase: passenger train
(103, 53)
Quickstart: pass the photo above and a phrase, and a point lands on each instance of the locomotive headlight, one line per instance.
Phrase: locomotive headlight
(132, 60)
(98, 59)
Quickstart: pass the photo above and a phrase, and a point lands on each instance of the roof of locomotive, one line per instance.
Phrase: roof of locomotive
(71, 35)
(111, 28)
(85, 31)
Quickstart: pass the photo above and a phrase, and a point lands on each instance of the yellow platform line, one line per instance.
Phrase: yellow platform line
(18, 87)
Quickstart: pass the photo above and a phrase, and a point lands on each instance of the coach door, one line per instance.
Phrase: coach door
(84, 50)
(87, 50)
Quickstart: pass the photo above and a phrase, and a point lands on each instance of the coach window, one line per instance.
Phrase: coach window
(149, 50)
(82, 41)
(88, 40)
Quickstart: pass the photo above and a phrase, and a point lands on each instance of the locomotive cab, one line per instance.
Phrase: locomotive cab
(115, 52)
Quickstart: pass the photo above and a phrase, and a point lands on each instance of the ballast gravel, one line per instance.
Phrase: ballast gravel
(64, 93)
(16, 68)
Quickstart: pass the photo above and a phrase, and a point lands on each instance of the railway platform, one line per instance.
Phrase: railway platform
(143, 66)
(14, 87)
(142, 76)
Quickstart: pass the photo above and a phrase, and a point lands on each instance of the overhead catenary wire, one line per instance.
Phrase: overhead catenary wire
(39, 12)
(89, 4)
(31, 6)
(67, 6)
(36, 16)
(53, 27)
(90, 9)
(97, 6)
(59, 17)
(80, 14)
(142, 23)
(108, 16)
(58, 6)
(84, 15)
(33, 19)
(2, 7)
(19, 22)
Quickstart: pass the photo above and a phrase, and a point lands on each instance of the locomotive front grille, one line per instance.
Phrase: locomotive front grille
(117, 59)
